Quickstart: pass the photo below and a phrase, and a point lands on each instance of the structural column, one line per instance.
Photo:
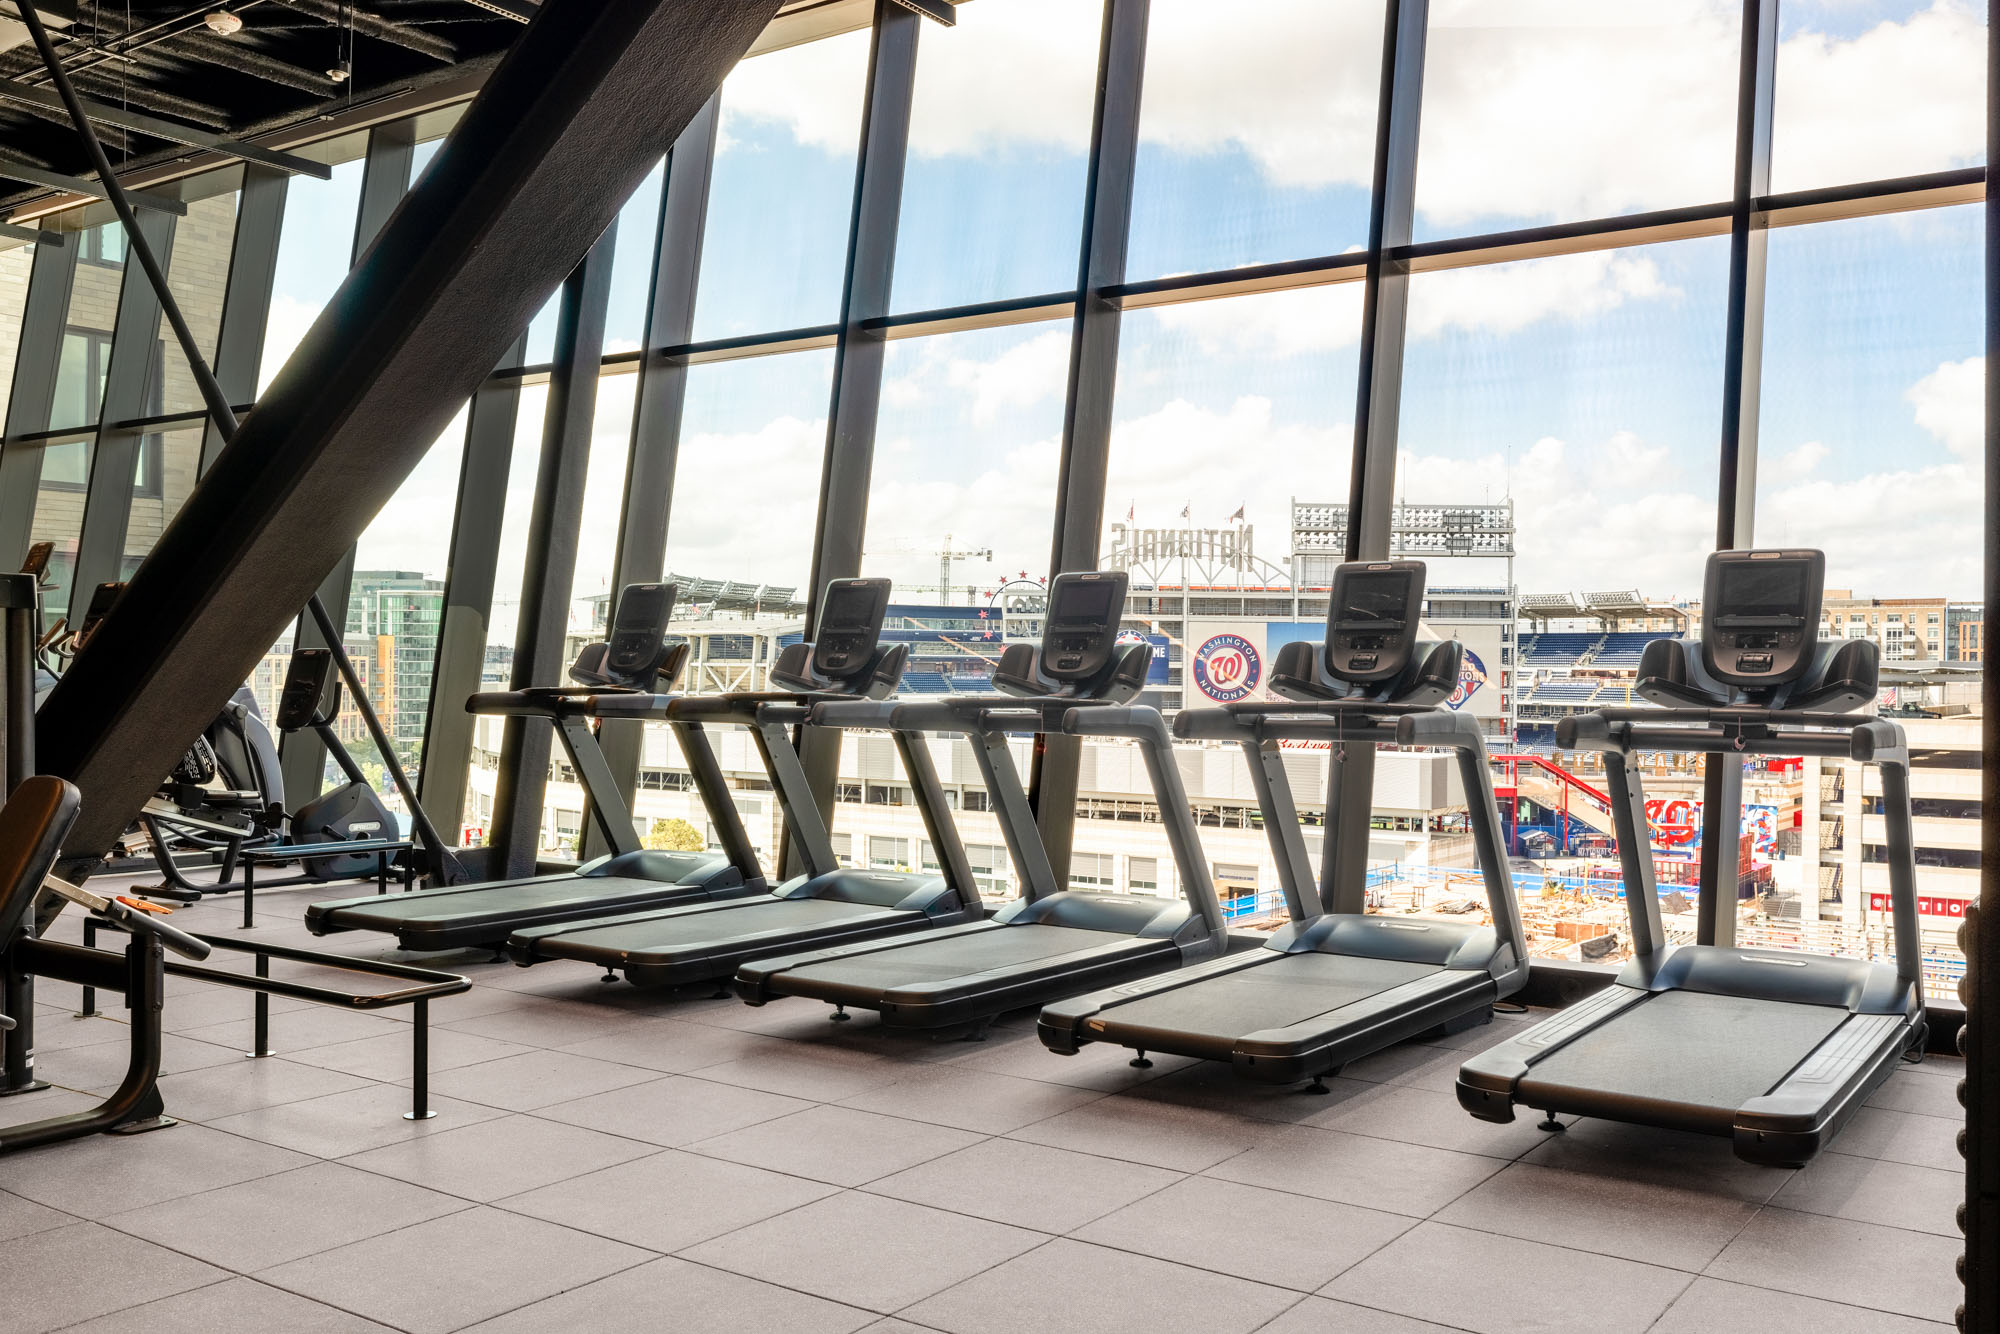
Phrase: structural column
(860, 350)
(1742, 375)
(656, 414)
(1378, 405)
(549, 573)
(1093, 371)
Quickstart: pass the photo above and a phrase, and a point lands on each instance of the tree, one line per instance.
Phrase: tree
(674, 835)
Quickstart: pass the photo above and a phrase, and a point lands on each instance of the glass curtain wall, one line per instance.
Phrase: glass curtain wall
(1542, 369)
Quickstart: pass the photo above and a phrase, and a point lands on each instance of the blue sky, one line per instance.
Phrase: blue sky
(1587, 387)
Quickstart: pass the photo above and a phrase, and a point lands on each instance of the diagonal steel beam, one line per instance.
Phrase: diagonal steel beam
(46, 98)
(566, 128)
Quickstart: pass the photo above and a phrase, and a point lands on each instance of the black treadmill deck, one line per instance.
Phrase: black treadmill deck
(454, 918)
(668, 950)
(953, 957)
(1689, 1059)
(1279, 992)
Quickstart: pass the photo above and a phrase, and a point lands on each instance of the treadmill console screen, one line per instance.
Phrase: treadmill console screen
(850, 623)
(1082, 624)
(1371, 619)
(1760, 612)
(638, 633)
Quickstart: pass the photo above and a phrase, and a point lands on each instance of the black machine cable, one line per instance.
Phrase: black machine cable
(443, 867)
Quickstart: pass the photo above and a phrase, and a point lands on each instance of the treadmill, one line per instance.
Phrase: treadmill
(840, 680)
(1052, 941)
(1771, 1048)
(617, 679)
(1336, 983)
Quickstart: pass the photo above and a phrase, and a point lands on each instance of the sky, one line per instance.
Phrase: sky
(1586, 388)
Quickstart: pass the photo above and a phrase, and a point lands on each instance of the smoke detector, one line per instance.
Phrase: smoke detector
(223, 22)
(338, 73)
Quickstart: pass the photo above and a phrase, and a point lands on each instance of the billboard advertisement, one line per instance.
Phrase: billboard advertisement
(1230, 660)
(1675, 823)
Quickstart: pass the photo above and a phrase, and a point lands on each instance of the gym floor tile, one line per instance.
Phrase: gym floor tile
(1027, 1185)
(1875, 1190)
(950, 1095)
(226, 1090)
(1374, 1173)
(206, 1005)
(299, 1030)
(101, 1066)
(1710, 1306)
(1185, 1139)
(535, 1079)
(1317, 1315)
(670, 1046)
(454, 1271)
(865, 1250)
(709, 1300)
(43, 1104)
(1705, 1163)
(1288, 1241)
(1420, 1116)
(237, 1304)
(19, 1217)
(1840, 1260)
(799, 1070)
(836, 1144)
(501, 1157)
(1215, 1086)
(1083, 1289)
(669, 1201)
(340, 1124)
(673, 1111)
(1902, 1137)
(84, 1271)
(387, 1056)
(1912, 1090)
(1434, 1068)
(549, 1023)
(61, 1030)
(256, 1224)
(1636, 1220)
(95, 1177)
(1097, 1067)
(1479, 1281)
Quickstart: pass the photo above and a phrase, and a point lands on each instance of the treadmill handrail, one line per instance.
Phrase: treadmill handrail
(973, 714)
(1871, 740)
(1461, 732)
(569, 702)
(1143, 723)
(1219, 725)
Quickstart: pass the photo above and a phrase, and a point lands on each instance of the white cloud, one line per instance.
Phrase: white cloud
(289, 320)
(1496, 299)
(1950, 403)
(779, 461)
(1505, 298)
(1900, 98)
(1532, 107)
(1798, 464)
(1022, 376)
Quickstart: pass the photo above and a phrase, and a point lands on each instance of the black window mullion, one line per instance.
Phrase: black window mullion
(246, 296)
(114, 455)
(549, 572)
(656, 413)
(1093, 371)
(31, 401)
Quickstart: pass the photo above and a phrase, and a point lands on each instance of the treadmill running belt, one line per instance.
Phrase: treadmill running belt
(941, 960)
(1287, 990)
(666, 935)
(500, 903)
(1693, 1049)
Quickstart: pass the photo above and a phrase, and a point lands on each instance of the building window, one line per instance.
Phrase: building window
(888, 854)
(1090, 870)
(1142, 874)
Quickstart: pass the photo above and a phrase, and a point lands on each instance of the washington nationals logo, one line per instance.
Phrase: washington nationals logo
(1471, 676)
(1227, 668)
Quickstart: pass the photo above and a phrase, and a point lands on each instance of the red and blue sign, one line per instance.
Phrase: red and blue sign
(1227, 668)
(1471, 676)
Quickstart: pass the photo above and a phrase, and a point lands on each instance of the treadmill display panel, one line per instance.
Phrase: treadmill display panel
(1762, 615)
(1084, 610)
(638, 634)
(850, 623)
(1371, 623)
